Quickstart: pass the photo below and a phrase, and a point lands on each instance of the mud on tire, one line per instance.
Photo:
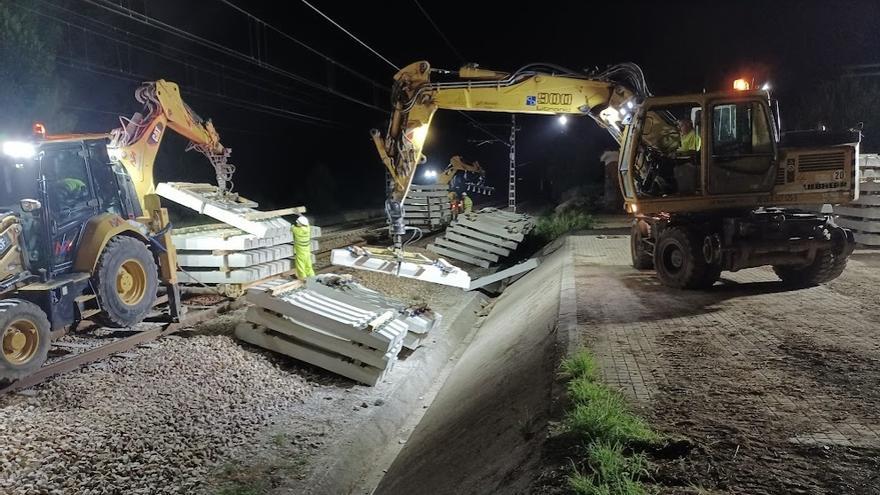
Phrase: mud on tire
(25, 333)
(826, 267)
(125, 281)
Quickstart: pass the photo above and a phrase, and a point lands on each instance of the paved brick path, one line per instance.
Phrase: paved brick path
(747, 369)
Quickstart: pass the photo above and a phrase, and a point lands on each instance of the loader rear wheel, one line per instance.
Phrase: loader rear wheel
(25, 338)
(826, 267)
(641, 258)
(679, 260)
(126, 281)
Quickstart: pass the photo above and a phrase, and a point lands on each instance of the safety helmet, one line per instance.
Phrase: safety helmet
(302, 220)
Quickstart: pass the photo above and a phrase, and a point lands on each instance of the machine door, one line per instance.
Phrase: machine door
(71, 196)
(742, 148)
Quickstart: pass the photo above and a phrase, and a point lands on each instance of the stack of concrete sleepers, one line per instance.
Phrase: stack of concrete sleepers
(863, 215)
(323, 330)
(419, 320)
(248, 246)
(427, 207)
(221, 254)
(484, 237)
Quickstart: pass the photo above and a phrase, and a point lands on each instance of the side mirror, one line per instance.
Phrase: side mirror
(30, 205)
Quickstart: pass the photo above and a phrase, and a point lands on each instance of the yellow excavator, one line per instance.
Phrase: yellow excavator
(457, 165)
(82, 234)
(711, 180)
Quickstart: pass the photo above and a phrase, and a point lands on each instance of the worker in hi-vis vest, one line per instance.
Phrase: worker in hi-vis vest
(302, 248)
(467, 202)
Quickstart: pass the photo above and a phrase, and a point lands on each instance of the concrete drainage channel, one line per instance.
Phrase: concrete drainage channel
(358, 459)
(467, 422)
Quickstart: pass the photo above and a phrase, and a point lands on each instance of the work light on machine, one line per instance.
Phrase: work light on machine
(18, 149)
(741, 85)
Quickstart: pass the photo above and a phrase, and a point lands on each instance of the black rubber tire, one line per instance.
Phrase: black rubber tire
(641, 258)
(116, 312)
(679, 260)
(17, 309)
(826, 267)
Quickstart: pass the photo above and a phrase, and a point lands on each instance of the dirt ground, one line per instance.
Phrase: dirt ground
(772, 391)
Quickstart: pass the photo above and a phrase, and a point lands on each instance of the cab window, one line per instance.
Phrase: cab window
(742, 149)
(67, 182)
(668, 159)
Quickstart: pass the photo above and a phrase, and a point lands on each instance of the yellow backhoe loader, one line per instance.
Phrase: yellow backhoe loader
(81, 233)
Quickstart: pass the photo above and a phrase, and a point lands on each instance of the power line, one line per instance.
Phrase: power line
(181, 33)
(226, 100)
(302, 44)
(225, 68)
(346, 31)
(162, 55)
(437, 28)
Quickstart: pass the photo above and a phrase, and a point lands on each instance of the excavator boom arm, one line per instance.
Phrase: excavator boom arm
(416, 99)
(136, 143)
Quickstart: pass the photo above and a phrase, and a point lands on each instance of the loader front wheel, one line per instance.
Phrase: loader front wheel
(126, 280)
(25, 338)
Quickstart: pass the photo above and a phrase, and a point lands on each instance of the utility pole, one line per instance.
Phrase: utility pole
(511, 190)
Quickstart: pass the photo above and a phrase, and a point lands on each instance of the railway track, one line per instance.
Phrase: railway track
(78, 349)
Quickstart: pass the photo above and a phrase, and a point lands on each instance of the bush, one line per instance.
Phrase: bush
(554, 225)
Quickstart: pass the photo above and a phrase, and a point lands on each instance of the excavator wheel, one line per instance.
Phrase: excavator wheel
(826, 267)
(25, 338)
(679, 260)
(125, 281)
(641, 258)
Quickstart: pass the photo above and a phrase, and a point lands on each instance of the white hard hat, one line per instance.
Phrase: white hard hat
(302, 220)
(464, 194)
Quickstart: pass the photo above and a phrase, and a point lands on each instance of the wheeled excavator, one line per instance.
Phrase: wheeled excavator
(732, 201)
(459, 168)
(82, 234)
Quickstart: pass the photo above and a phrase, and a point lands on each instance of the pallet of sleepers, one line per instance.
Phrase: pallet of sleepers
(483, 238)
(351, 340)
(419, 319)
(862, 216)
(231, 259)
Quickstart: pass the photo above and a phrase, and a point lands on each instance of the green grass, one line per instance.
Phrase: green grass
(611, 472)
(599, 413)
(602, 418)
(581, 365)
(554, 225)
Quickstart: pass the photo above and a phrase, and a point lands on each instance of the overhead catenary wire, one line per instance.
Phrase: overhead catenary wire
(352, 36)
(225, 68)
(302, 44)
(226, 100)
(181, 33)
(440, 32)
(222, 75)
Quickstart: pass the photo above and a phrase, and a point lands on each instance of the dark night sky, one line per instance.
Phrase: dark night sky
(682, 47)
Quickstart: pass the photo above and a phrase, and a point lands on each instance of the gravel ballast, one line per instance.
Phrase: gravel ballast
(157, 422)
